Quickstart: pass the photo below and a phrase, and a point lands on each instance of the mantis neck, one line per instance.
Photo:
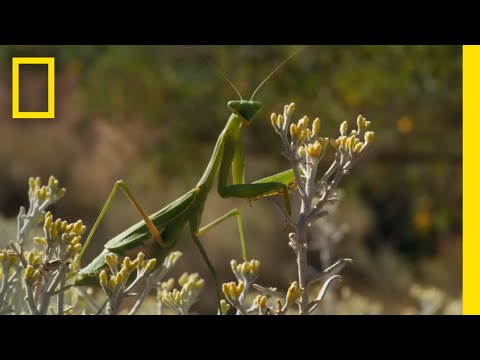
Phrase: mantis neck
(232, 129)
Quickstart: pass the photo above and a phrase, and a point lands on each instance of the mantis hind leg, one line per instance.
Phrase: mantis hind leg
(120, 184)
(206, 228)
(200, 247)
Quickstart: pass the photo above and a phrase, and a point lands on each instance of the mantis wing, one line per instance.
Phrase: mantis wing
(135, 235)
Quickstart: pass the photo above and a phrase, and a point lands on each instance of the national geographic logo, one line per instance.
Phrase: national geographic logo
(16, 113)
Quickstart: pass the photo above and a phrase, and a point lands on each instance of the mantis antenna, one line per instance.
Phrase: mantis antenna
(274, 71)
(216, 67)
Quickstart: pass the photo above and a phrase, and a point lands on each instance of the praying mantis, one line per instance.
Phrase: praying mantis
(158, 234)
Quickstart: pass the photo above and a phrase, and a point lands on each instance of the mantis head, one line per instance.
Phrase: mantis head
(245, 109)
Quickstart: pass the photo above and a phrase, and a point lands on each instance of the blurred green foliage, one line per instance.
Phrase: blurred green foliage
(151, 115)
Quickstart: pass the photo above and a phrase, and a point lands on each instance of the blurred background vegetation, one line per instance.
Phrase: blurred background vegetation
(151, 115)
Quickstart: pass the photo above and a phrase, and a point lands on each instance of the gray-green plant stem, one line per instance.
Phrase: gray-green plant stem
(6, 287)
(301, 226)
(88, 299)
(116, 298)
(151, 282)
(18, 249)
(308, 190)
(48, 289)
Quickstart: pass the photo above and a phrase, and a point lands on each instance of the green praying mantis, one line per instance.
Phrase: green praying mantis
(158, 234)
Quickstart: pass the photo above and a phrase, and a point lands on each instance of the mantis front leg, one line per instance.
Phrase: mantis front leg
(233, 157)
(220, 220)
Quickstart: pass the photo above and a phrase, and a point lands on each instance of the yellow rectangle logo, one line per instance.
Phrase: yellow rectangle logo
(16, 113)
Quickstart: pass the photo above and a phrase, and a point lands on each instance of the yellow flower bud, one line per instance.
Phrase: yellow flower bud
(262, 301)
(199, 284)
(314, 150)
(53, 232)
(303, 123)
(39, 194)
(294, 293)
(273, 119)
(344, 128)
(150, 265)
(360, 122)
(79, 228)
(135, 263)
(240, 288)
(309, 134)
(302, 136)
(38, 182)
(36, 260)
(12, 259)
(369, 136)
(224, 307)
(316, 126)
(168, 285)
(120, 278)
(2, 256)
(301, 152)
(103, 278)
(52, 182)
(233, 265)
(350, 142)
(29, 271)
(31, 183)
(358, 148)
(183, 279)
(255, 264)
(76, 248)
(111, 260)
(194, 277)
(280, 121)
(127, 264)
(226, 290)
(112, 283)
(40, 241)
(48, 219)
(140, 257)
(75, 240)
(293, 130)
(291, 108)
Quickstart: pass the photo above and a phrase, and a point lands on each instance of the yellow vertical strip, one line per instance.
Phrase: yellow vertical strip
(471, 189)
(51, 88)
(15, 88)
